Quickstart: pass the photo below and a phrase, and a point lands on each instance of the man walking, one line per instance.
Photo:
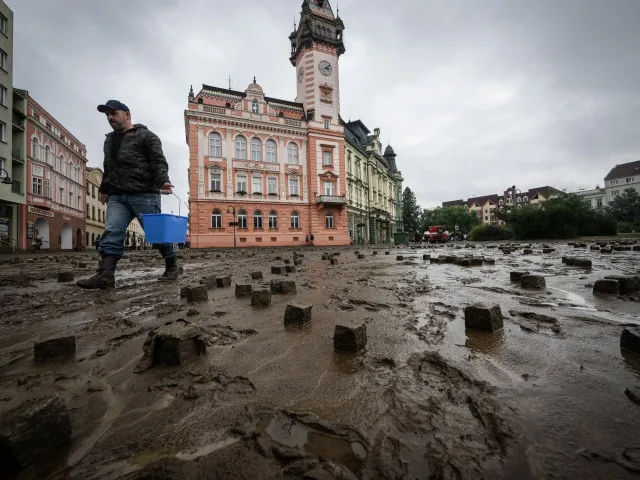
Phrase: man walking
(135, 174)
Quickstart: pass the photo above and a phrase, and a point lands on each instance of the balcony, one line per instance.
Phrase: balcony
(16, 187)
(332, 199)
(17, 121)
(17, 155)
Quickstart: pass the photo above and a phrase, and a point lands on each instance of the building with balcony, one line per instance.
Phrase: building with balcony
(56, 169)
(270, 172)
(374, 186)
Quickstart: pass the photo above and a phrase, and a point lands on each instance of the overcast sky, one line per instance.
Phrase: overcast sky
(474, 95)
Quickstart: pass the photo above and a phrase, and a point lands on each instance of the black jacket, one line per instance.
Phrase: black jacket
(140, 166)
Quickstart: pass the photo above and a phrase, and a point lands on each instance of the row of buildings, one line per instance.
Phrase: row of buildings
(265, 171)
(46, 189)
(619, 178)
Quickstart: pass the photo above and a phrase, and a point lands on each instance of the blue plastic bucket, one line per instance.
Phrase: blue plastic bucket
(164, 228)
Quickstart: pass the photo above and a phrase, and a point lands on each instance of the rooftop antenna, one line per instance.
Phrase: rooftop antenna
(337, 9)
(294, 24)
(229, 81)
(254, 79)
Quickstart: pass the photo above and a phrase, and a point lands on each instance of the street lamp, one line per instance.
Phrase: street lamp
(234, 223)
(6, 179)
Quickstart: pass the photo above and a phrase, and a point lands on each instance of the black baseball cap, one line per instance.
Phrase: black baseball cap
(113, 105)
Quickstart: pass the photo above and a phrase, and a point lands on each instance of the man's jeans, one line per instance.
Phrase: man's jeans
(121, 210)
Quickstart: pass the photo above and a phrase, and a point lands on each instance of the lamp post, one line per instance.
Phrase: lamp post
(6, 179)
(234, 224)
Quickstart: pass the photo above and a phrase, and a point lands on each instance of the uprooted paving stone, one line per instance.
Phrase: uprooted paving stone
(399, 257)
(627, 284)
(197, 293)
(297, 314)
(577, 262)
(488, 319)
(54, 348)
(607, 286)
(334, 261)
(209, 282)
(32, 431)
(516, 276)
(256, 275)
(223, 282)
(171, 345)
(290, 269)
(630, 339)
(283, 286)
(261, 298)
(533, 281)
(276, 270)
(350, 339)
(243, 290)
(536, 322)
(65, 277)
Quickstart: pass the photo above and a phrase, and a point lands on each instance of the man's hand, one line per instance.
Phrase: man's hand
(166, 189)
(103, 197)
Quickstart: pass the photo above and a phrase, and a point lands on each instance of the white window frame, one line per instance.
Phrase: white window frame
(327, 188)
(326, 123)
(326, 159)
(328, 220)
(242, 219)
(36, 185)
(255, 106)
(241, 148)
(295, 220)
(293, 154)
(217, 214)
(213, 181)
(257, 219)
(272, 182)
(273, 219)
(294, 186)
(256, 149)
(241, 179)
(256, 181)
(272, 151)
(215, 145)
(4, 96)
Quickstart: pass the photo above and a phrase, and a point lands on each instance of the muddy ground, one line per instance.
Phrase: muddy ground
(543, 398)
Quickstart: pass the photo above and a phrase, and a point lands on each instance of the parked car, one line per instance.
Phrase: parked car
(437, 234)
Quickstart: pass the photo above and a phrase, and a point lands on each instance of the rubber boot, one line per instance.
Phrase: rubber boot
(106, 276)
(171, 270)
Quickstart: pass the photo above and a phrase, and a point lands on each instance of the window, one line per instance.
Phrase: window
(614, 193)
(273, 219)
(215, 179)
(328, 220)
(349, 164)
(326, 123)
(272, 186)
(241, 148)
(271, 151)
(256, 184)
(215, 145)
(256, 149)
(4, 60)
(88, 211)
(292, 154)
(37, 186)
(326, 158)
(295, 220)
(242, 219)
(293, 186)
(93, 213)
(4, 95)
(241, 183)
(3, 132)
(257, 219)
(599, 202)
(3, 24)
(93, 191)
(216, 219)
(629, 180)
(47, 188)
(254, 106)
(501, 202)
(99, 215)
(327, 188)
(47, 155)
(526, 199)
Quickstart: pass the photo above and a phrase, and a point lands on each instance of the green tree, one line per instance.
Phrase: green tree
(451, 217)
(626, 207)
(410, 212)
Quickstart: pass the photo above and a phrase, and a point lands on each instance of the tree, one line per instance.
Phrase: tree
(626, 207)
(451, 217)
(410, 212)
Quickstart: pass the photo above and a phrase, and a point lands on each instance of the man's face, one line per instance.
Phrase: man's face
(118, 119)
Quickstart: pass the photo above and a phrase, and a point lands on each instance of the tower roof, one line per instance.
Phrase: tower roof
(389, 151)
(317, 24)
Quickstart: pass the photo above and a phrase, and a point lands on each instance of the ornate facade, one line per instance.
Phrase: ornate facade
(374, 186)
(271, 172)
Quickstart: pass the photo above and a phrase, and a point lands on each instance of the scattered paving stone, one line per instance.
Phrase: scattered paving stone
(361, 256)
(476, 261)
(82, 265)
(33, 430)
(334, 261)
(184, 291)
(54, 348)
(223, 282)
(594, 247)
(490, 261)
(283, 286)
(171, 345)
(298, 262)
(532, 281)
(197, 293)
(209, 282)
(400, 257)
(192, 313)
(636, 248)
(276, 270)
(630, 339)
(608, 286)
(357, 252)
(290, 269)
(527, 251)
(442, 260)
(375, 252)
(426, 256)
(325, 257)
(350, 339)
(286, 262)
(577, 262)
(517, 276)
(256, 275)
(483, 318)
(606, 250)
(387, 253)
(297, 314)
(260, 298)
(336, 254)
(627, 284)
(548, 250)
(65, 277)
(464, 262)
(243, 290)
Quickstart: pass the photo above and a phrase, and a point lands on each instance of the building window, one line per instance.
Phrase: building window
(4, 60)
(292, 151)
(215, 145)
(34, 148)
(242, 219)
(295, 220)
(526, 199)
(271, 151)
(349, 164)
(599, 202)
(614, 193)
(93, 191)
(293, 186)
(241, 183)
(88, 212)
(4, 95)
(47, 155)
(37, 186)
(241, 148)
(3, 131)
(254, 106)
(47, 188)
(326, 159)
(216, 219)
(327, 188)
(326, 123)
(273, 219)
(215, 179)
(4, 23)
(256, 149)
(629, 180)
(328, 220)
(256, 184)
(272, 186)
(257, 219)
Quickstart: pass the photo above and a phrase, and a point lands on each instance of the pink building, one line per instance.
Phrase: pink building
(270, 172)
(56, 168)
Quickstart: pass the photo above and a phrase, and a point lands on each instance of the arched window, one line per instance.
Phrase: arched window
(216, 219)
(241, 148)
(61, 164)
(526, 199)
(271, 151)
(86, 238)
(273, 219)
(256, 149)
(295, 220)
(501, 202)
(215, 145)
(47, 155)
(328, 220)
(292, 151)
(518, 200)
(242, 219)
(257, 219)
(34, 149)
(93, 238)
(254, 106)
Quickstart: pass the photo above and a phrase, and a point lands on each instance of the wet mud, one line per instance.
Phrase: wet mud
(551, 395)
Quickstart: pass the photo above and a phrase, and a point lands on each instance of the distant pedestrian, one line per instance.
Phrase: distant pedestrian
(135, 174)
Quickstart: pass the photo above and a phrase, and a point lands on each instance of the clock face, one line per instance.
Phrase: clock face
(300, 75)
(325, 68)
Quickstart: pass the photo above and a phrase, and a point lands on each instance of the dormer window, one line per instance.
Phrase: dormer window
(254, 106)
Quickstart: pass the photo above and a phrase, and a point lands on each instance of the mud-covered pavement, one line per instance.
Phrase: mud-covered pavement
(542, 398)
